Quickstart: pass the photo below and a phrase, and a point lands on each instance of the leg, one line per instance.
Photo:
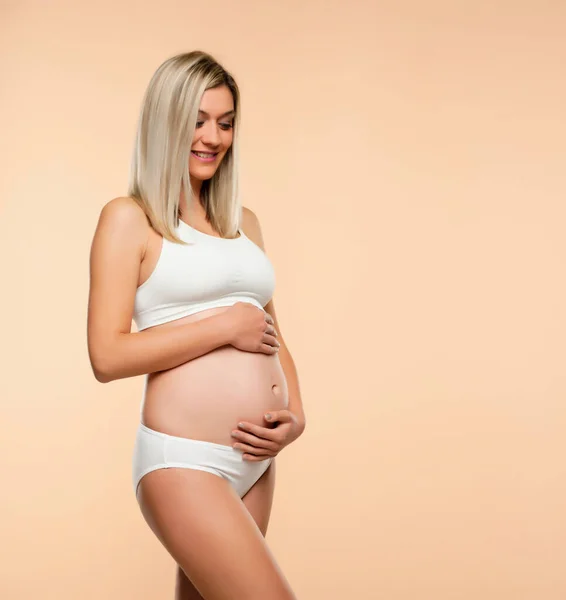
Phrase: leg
(258, 502)
(207, 529)
(259, 498)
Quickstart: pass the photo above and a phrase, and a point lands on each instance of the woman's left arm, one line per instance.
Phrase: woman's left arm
(258, 441)
(286, 360)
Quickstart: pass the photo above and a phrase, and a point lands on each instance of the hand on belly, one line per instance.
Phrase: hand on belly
(206, 398)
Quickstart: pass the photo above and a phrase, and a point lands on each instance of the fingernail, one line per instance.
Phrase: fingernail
(268, 417)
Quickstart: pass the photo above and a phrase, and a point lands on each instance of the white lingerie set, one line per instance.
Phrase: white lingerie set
(209, 273)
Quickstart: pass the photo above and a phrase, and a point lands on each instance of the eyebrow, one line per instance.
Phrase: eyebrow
(230, 112)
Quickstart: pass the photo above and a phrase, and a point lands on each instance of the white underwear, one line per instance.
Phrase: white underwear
(157, 450)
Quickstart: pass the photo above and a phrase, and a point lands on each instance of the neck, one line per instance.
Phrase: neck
(196, 209)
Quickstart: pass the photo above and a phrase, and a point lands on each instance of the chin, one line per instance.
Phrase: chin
(202, 176)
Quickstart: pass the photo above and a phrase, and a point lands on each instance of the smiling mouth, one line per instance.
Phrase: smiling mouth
(204, 154)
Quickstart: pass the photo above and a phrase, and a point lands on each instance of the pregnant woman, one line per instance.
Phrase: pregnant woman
(181, 257)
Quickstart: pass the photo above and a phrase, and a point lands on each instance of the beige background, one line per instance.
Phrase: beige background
(407, 163)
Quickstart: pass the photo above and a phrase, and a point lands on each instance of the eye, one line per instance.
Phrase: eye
(225, 126)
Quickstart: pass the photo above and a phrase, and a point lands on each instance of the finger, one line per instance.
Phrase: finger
(269, 318)
(270, 340)
(270, 329)
(252, 440)
(253, 450)
(269, 345)
(258, 431)
(267, 349)
(252, 458)
(283, 416)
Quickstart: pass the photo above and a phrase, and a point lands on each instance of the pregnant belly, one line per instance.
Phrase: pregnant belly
(206, 397)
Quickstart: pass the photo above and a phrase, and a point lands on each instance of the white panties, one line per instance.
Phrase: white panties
(157, 450)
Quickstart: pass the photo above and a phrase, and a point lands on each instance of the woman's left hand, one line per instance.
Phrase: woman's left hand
(260, 443)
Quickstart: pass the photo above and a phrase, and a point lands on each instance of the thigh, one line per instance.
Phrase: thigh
(211, 535)
(259, 498)
(258, 502)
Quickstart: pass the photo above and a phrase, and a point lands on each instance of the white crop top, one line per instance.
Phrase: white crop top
(209, 273)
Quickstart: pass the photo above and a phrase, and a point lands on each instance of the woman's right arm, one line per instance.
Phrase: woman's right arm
(115, 353)
(116, 253)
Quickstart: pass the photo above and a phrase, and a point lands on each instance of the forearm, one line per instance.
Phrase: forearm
(295, 403)
(152, 350)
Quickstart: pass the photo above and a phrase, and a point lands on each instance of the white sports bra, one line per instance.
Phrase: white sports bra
(209, 273)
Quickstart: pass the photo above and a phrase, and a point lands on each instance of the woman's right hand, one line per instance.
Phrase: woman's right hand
(251, 329)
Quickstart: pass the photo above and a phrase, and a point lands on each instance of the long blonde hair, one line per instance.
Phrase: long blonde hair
(160, 161)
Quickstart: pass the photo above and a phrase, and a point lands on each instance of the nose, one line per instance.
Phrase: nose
(210, 134)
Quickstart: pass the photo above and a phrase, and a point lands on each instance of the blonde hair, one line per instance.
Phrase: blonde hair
(160, 161)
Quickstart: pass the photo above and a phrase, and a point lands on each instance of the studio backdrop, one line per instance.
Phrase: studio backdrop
(406, 160)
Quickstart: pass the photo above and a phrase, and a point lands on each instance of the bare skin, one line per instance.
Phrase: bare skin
(216, 538)
(258, 502)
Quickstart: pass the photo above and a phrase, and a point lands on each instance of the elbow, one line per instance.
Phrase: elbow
(102, 369)
(102, 375)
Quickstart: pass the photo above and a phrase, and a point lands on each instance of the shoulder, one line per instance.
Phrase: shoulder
(251, 226)
(248, 214)
(124, 211)
(124, 217)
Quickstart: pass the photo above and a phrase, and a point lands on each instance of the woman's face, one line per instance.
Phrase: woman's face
(213, 132)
